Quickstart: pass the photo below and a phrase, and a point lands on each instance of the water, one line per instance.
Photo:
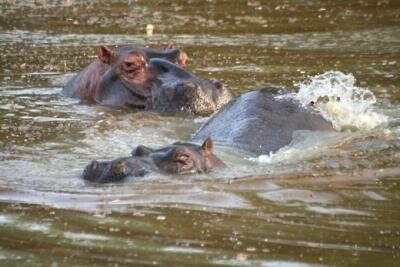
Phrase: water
(341, 102)
(324, 200)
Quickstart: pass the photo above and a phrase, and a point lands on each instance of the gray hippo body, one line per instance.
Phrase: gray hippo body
(261, 122)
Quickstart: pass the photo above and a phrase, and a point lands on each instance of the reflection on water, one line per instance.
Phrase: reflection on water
(325, 199)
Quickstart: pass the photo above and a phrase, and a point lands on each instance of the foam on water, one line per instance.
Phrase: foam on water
(340, 101)
(335, 95)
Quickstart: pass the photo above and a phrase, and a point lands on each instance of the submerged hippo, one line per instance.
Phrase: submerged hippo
(142, 78)
(178, 158)
(261, 122)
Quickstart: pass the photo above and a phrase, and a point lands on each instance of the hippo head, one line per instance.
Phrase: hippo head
(125, 81)
(105, 171)
(179, 91)
(181, 158)
(178, 158)
(144, 79)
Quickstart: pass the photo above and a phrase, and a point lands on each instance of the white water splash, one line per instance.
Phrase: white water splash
(342, 103)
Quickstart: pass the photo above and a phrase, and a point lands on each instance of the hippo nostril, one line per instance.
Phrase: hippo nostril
(218, 85)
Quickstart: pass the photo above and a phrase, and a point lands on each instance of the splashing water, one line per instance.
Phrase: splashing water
(339, 101)
(342, 103)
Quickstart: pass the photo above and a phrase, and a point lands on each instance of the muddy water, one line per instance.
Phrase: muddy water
(324, 200)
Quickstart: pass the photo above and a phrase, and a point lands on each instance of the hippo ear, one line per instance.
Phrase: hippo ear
(141, 151)
(183, 58)
(208, 145)
(105, 54)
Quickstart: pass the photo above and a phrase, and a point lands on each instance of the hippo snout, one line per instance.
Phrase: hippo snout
(181, 91)
(207, 96)
(196, 96)
(222, 95)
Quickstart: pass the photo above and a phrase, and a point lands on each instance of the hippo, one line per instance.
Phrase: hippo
(178, 158)
(149, 79)
(261, 121)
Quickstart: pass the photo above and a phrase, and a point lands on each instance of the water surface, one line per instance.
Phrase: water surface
(324, 200)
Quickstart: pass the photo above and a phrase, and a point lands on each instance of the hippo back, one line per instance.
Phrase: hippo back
(260, 122)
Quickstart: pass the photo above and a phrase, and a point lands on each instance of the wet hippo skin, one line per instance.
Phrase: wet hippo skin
(150, 79)
(178, 158)
(261, 122)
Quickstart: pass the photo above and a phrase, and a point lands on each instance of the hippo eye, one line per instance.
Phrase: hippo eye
(134, 62)
(131, 65)
(184, 162)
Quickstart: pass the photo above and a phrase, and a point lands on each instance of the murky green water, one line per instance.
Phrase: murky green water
(325, 200)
